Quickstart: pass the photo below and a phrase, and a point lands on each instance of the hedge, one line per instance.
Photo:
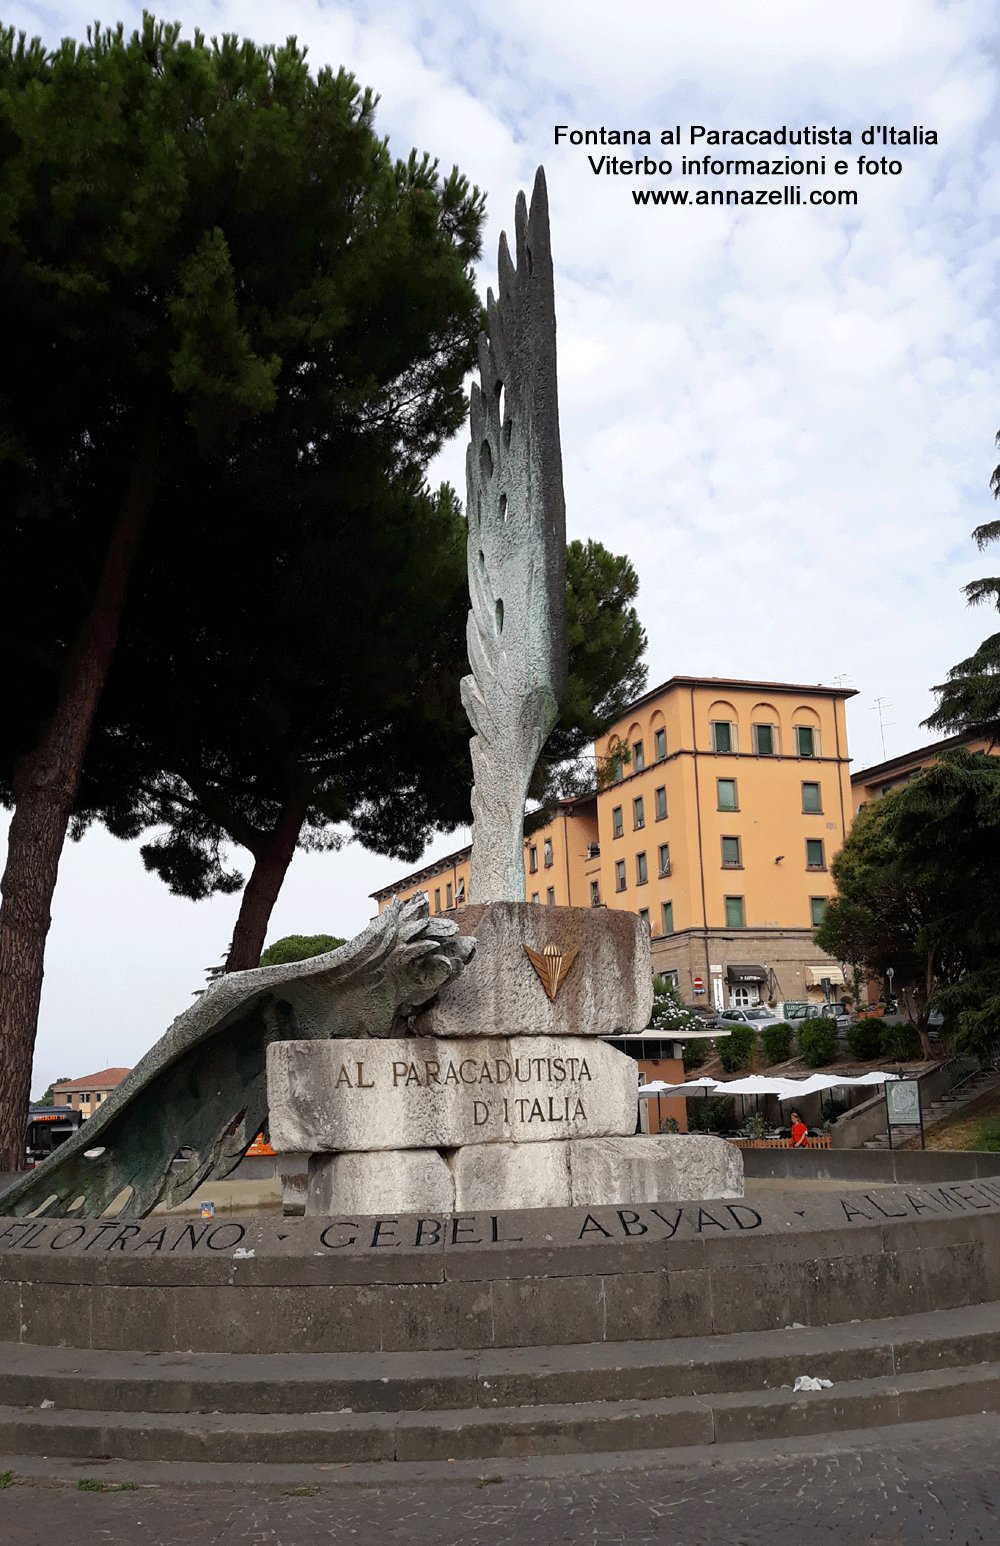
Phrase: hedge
(818, 1041)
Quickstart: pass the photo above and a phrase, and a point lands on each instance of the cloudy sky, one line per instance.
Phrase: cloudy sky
(785, 416)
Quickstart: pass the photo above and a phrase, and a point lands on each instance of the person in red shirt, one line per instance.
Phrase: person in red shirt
(799, 1131)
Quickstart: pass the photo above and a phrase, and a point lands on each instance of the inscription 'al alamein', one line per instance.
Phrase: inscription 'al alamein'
(422, 1092)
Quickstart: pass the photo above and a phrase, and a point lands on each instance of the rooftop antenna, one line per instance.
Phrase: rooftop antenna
(844, 676)
(879, 705)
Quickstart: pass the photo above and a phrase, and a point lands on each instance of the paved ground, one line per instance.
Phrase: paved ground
(929, 1483)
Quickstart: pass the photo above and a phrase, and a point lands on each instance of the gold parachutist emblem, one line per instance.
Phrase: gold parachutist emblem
(552, 964)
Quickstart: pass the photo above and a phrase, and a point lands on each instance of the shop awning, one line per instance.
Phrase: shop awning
(738, 974)
(832, 973)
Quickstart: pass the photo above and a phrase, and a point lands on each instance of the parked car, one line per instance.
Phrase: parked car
(755, 1016)
(709, 1018)
(797, 1010)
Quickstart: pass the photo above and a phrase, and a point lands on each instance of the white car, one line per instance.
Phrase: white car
(758, 1018)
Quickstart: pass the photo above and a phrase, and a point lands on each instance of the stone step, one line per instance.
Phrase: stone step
(600, 1427)
(580, 1398)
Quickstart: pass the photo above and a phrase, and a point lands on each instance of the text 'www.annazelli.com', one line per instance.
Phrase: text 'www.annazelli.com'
(787, 194)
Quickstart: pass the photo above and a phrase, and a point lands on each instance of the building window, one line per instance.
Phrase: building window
(817, 907)
(667, 917)
(638, 814)
(534, 896)
(764, 740)
(660, 744)
(550, 897)
(660, 796)
(638, 758)
(814, 853)
(595, 894)
(448, 898)
(460, 896)
(616, 822)
(644, 915)
(731, 859)
(548, 853)
(533, 859)
(664, 858)
(735, 916)
(723, 739)
(811, 805)
(640, 870)
(805, 739)
(727, 794)
(620, 875)
(437, 899)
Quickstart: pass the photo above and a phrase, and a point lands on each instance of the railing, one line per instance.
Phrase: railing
(594, 851)
(780, 1143)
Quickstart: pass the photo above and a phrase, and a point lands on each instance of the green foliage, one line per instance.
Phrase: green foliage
(988, 1136)
(756, 1127)
(899, 1042)
(717, 1114)
(776, 1041)
(695, 1055)
(298, 947)
(6, 1480)
(917, 891)
(669, 1125)
(831, 1109)
(818, 1041)
(48, 1099)
(218, 281)
(606, 672)
(864, 1038)
(969, 701)
(736, 1051)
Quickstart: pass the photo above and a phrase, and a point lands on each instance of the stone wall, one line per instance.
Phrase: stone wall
(492, 1279)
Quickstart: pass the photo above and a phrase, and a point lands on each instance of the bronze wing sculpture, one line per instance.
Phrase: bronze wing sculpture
(516, 552)
(203, 1086)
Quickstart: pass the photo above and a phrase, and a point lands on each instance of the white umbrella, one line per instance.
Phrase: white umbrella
(689, 1087)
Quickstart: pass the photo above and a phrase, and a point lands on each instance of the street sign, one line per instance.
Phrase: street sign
(902, 1106)
(699, 986)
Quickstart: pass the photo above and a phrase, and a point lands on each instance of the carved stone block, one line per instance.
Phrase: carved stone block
(607, 991)
(388, 1181)
(499, 1177)
(424, 1093)
(596, 1172)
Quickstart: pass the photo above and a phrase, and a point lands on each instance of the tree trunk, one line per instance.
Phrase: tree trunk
(45, 783)
(261, 890)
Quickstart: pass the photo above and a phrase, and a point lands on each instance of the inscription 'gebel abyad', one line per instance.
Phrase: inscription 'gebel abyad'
(425, 1093)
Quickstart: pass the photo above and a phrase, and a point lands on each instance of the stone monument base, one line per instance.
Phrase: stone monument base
(579, 1172)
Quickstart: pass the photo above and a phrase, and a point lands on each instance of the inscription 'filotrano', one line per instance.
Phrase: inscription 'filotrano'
(417, 1093)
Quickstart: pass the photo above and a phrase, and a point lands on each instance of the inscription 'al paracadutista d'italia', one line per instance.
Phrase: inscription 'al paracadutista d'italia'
(419, 1092)
(431, 1072)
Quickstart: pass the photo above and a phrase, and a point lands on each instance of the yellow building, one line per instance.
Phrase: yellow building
(872, 783)
(728, 799)
(86, 1094)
